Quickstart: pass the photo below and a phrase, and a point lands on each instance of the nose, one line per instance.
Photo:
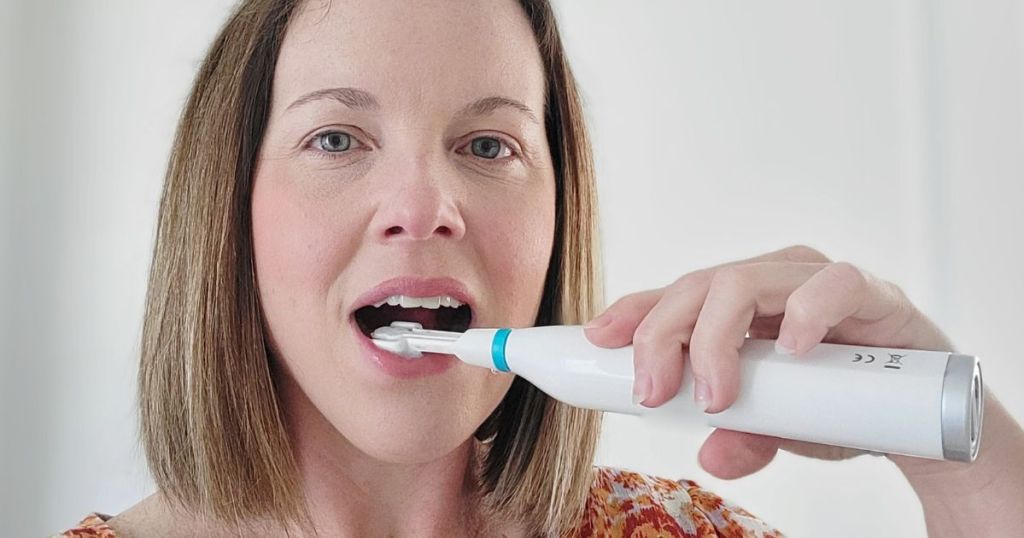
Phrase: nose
(422, 206)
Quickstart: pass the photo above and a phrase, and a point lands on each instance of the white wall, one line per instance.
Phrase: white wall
(886, 133)
(96, 89)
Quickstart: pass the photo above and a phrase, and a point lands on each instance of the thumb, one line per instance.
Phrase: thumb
(616, 325)
(730, 454)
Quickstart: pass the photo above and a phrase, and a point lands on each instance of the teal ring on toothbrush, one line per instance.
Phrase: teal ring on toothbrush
(498, 349)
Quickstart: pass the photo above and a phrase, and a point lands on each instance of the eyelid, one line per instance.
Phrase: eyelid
(309, 142)
(352, 139)
(508, 141)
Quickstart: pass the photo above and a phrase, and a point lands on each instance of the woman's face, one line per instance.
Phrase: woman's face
(405, 141)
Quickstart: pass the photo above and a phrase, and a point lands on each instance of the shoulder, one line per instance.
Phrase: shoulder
(149, 517)
(93, 525)
(628, 503)
(141, 519)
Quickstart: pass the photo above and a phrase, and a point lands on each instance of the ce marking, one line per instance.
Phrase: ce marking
(861, 357)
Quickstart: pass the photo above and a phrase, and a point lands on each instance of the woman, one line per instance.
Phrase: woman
(335, 155)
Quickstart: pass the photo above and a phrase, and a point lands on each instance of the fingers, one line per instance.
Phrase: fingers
(813, 297)
(615, 327)
(730, 454)
(840, 292)
(795, 253)
(736, 295)
(765, 327)
(660, 323)
(798, 253)
(796, 294)
(658, 354)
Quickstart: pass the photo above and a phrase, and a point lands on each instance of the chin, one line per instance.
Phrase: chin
(388, 419)
(416, 421)
(408, 437)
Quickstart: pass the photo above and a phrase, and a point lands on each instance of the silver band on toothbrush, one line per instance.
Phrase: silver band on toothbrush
(963, 408)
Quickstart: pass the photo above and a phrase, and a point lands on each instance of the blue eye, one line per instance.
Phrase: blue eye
(489, 147)
(334, 141)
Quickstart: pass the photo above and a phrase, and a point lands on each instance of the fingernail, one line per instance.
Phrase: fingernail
(701, 393)
(598, 322)
(785, 345)
(641, 386)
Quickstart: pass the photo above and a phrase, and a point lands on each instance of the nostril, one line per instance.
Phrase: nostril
(395, 230)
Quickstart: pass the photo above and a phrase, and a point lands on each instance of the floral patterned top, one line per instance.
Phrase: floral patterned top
(621, 503)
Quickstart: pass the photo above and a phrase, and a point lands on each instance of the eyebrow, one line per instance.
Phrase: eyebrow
(351, 97)
(486, 105)
(357, 99)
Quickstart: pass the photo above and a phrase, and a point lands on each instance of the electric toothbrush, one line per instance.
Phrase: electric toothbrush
(926, 404)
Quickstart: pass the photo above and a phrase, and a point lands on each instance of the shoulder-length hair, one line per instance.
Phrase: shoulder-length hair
(211, 425)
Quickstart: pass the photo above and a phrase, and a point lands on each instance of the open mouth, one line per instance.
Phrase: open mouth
(440, 318)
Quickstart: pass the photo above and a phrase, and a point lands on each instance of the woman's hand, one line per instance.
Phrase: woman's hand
(796, 295)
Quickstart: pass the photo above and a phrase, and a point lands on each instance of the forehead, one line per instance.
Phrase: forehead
(411, 53)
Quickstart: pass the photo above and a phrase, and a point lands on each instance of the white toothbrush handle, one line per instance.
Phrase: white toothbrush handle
(917, 403)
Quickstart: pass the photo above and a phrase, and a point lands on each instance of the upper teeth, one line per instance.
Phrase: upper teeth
(420, 302)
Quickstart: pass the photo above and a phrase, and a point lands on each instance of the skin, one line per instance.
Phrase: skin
(381, 455)
(802, 298)
(384, 456)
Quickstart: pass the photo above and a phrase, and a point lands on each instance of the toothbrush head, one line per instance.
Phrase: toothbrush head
(410, 340)
(398, 347)
(393, 338)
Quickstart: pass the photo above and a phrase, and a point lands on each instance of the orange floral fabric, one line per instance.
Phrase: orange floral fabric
(627, 503)
(621, 503)
(93, 525)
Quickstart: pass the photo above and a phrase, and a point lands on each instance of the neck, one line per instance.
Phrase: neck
(350, 493)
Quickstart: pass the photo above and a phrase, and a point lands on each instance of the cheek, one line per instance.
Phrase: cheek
(304, 245)
(297, 256)
(285, 244)
(516, 236)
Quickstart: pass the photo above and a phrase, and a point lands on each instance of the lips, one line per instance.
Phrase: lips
(396, 365)
(401, 367)
(417, 287)
(369, 317)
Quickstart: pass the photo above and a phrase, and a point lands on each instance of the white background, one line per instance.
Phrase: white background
(885, 133)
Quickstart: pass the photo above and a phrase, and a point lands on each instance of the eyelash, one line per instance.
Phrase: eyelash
(501, 161)
(315, 144)
(317, 140)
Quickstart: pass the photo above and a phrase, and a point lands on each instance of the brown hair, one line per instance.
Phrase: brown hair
(213, 433)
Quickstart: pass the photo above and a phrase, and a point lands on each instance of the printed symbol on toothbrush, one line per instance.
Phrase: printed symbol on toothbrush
(861, 357)
(894, 361)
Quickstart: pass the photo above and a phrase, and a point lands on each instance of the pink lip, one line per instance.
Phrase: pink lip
(416, 286)
(397, 365)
